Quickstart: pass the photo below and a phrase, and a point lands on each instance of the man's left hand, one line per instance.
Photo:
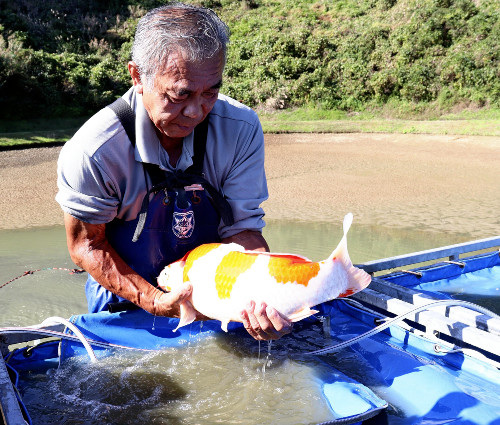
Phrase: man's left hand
(265, 323)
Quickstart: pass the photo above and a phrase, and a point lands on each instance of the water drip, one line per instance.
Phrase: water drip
(267, 361)
(327, 328)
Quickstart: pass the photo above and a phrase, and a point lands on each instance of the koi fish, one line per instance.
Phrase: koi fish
(226, 277)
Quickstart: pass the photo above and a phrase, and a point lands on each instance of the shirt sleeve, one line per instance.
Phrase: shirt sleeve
(88, 170)
(245, 185)
(86, 192)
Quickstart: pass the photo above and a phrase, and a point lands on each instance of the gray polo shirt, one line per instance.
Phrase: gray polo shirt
(100, 174)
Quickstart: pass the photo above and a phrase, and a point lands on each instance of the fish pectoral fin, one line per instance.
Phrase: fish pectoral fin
(188, 314)
(302, 314)
(223, 325)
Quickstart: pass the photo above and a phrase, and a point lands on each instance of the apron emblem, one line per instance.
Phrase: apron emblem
(183, 224)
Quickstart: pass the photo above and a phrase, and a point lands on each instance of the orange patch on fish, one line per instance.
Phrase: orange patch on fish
(193, 255)
(290, 268)
(346, 293)
(231, 266)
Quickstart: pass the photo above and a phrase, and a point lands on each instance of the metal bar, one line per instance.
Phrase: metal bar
(451, 251)
(458, 313)
(11, 411)
(433, 321)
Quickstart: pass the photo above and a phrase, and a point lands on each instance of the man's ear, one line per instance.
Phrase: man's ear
(136, 76)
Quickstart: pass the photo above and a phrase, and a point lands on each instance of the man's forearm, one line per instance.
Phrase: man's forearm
(249, 239)
(89, 249)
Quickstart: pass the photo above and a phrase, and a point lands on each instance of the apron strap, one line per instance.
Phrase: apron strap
(126, 116)
(162, 179)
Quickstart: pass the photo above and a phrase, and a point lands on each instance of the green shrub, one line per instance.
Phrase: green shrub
(70, 57)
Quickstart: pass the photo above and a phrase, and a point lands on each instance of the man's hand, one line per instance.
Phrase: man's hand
(168, 303)
(265, 323)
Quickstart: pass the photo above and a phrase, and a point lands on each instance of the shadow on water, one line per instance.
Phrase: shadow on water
(123, 389)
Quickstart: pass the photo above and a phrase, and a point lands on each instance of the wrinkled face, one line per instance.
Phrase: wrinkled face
(171, 276)
(183, 95)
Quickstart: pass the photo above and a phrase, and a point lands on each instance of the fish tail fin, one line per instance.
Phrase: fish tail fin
(357, 279)
(341, 250)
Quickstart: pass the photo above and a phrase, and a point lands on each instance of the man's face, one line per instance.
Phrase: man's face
(183, 95)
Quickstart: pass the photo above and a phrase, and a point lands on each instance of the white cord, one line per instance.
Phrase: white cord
(76, 331)
(380, 328)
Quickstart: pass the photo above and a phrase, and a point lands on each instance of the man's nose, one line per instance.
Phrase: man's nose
(194, 109)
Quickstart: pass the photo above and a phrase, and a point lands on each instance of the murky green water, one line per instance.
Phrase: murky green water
(218, 379)
(52, 290)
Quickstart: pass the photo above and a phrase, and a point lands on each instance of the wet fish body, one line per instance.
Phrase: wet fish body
(226, 277)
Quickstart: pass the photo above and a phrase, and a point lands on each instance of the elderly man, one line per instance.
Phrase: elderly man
(169, 166)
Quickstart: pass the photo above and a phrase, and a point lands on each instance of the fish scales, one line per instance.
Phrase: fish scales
(288, 268)
(226, 277)
(231, 266)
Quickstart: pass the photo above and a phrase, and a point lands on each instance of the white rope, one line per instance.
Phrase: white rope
(359, 338)
(56, 334)
(76, 331)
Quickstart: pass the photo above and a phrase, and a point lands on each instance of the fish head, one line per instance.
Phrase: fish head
(171, 277)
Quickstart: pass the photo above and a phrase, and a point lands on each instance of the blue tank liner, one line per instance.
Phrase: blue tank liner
(44, 357)
(349, 401)
(14, 376)
(421, 386)
(477, 281)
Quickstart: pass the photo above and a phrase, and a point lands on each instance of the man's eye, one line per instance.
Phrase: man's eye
(210, 94)
(177, 98)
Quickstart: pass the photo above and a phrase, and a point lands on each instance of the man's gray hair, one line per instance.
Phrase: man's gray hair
(195, 31)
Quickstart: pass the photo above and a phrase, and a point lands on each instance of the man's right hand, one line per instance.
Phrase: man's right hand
(90, 249)
(168, 303)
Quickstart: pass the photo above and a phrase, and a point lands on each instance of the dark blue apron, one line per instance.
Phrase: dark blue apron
(180, 212)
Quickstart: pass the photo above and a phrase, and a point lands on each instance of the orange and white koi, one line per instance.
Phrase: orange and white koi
(226, 277)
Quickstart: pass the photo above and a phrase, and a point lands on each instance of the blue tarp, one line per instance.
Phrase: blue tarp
(421, 386)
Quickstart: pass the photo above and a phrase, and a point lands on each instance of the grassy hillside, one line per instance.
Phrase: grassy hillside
(67, 58)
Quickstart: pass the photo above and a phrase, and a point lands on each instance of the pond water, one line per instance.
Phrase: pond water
(218, 378)
(51, 290)
(213, 382)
